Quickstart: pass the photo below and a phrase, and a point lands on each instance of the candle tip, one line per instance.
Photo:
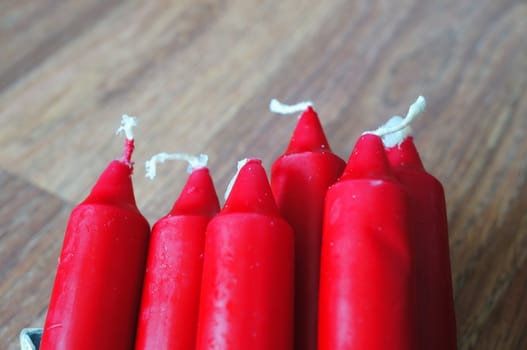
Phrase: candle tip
(127, 124)
(194, 162)
(278, 107)
(368, 160)
(250, 191)
(240, 165)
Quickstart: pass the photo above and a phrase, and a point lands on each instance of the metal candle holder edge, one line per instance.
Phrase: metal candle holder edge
(30, 338)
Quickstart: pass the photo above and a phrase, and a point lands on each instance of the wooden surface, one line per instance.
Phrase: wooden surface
(199, 76)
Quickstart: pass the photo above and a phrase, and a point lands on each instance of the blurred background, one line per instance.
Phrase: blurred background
(199, 76)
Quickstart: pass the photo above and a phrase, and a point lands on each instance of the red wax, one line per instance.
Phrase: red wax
(97, 288)
(247, 287)
(169, 308)
(299, 180)
(367, 279)
(436, 324)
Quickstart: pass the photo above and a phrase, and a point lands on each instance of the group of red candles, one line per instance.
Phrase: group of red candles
(327, 255)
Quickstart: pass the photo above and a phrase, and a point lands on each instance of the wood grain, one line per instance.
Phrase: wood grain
(33, 223)
(199, 75)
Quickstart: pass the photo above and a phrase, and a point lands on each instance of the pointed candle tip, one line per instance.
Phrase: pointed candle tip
(198, 196)
(114, 185)
(404, 155)
(251, 191)
(367, 160)
(240, 165)
(308, 135)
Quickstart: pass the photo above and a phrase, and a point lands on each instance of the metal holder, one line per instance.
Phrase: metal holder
(30, 338)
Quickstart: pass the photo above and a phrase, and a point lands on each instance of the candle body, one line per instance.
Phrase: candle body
(367, 278)
(299, 180)
(169, 307)
(436, 324)
(247, 288)
(97, 288)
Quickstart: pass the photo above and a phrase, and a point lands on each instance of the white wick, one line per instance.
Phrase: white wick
(278, 107)
(415, 109)
(241, 163)
(127, 123)
(194, 162)
(397, 137)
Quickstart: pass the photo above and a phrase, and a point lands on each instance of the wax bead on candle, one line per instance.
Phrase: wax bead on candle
(436, 323)
(299, 180)
(169, 308)
(97, 288)
(247, 288)
(367, 275)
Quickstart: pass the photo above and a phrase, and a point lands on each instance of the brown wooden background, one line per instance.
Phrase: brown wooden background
(199, 75)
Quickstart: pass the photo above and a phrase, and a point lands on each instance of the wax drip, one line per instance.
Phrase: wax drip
(278, 107)
(194, 162)
(127, 124)
(241, 163)
(415, 109)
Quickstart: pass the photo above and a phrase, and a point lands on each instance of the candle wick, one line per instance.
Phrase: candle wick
(129, 146)
(126, 127)
(241, 163)
(278, 107)
(194, 162)
(127, 124)
(415, 109)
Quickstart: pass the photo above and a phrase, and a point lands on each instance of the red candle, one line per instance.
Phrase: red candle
(367, 276)
(247, 287)
(97, 288)
(169, 308)
(299, 180)
(436, 323)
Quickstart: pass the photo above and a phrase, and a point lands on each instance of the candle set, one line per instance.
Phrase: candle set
(325, 254)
